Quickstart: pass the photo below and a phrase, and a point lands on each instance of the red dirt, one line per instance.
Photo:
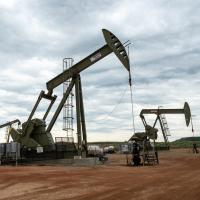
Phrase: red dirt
(177, 177)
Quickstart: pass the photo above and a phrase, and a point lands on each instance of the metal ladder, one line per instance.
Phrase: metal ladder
(150, 159)
(165, 126)
(68, 106)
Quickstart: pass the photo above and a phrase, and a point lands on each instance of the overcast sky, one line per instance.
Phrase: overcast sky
(35, 36)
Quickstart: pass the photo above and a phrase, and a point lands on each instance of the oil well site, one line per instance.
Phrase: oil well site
(99, 116)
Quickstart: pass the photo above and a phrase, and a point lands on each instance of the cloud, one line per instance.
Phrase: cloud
(36, 35)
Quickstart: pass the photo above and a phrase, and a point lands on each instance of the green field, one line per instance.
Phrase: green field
(185, 142)
(181, 143)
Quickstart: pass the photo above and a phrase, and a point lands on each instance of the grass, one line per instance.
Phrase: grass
(181, 143)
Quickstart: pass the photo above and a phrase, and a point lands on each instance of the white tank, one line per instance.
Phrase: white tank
(109, 149)
(95, 150)
(105, 149)
(124, 148)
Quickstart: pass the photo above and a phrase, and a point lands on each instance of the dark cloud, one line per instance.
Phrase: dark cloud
(36, 35)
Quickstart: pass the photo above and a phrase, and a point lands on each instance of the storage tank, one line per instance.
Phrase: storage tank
(95, 150)
(13, 150)
(2, 149)
(124, 148)
(105, 150)
(109, 149)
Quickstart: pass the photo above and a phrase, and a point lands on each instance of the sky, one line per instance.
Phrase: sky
(36, 35)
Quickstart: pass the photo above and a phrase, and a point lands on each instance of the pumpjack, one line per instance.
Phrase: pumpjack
(160, 112)
(9, 125)
(149, 153)
(35, 132)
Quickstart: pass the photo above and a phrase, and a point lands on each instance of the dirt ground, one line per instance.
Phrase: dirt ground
(177, 177)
